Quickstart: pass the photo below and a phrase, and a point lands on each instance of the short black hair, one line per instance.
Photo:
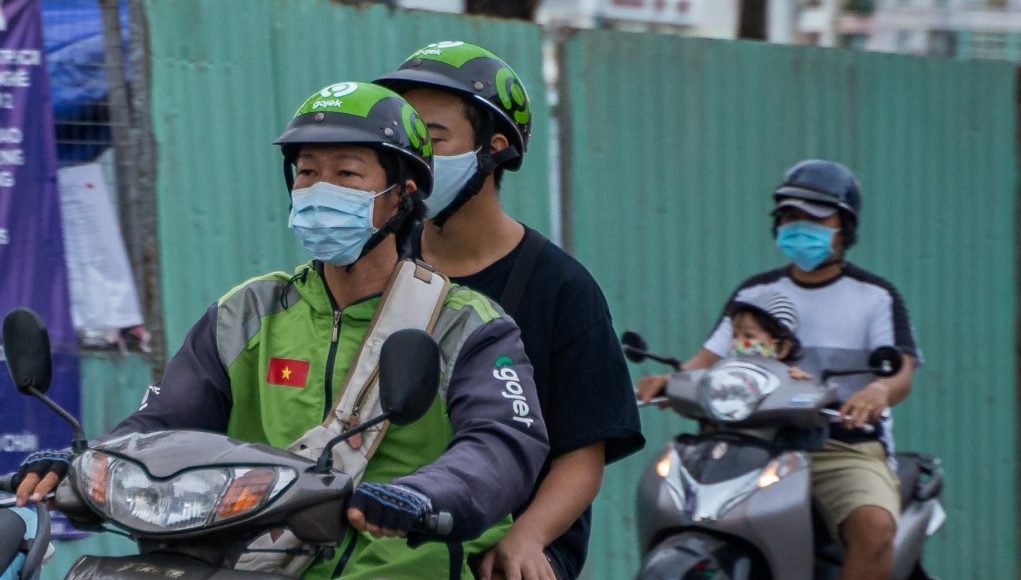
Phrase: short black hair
(771, 326)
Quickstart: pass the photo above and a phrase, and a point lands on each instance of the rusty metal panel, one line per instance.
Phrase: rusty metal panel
(228, 75)
(672, 148)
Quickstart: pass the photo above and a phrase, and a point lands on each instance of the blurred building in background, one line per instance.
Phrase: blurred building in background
(706, 18)
(988, 29)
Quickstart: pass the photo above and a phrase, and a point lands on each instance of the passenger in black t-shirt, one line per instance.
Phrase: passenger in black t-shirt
(478, 116)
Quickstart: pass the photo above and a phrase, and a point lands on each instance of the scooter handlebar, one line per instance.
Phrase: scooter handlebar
(866, 428)
(7, 482)
(437, 524)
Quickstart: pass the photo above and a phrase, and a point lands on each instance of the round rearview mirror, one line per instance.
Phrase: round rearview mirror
(635, 347)
(886, 361)
(27, 349)
(409, 374)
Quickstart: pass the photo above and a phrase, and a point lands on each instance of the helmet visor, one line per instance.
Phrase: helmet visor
(816, 210)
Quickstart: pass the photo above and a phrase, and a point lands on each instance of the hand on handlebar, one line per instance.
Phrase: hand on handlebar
(866, 406)
(39, 474)
(650, 387)
(387, 510)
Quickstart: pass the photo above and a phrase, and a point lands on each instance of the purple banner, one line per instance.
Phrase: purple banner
(32, 269)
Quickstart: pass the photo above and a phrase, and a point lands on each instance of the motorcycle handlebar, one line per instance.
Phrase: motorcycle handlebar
(436, 524)
(7, 482)
(866, 428)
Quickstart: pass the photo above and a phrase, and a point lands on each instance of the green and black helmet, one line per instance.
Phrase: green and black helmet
(476, 74)
(361, 114)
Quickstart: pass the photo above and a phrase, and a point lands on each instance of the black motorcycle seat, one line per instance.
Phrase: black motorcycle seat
(908, 474)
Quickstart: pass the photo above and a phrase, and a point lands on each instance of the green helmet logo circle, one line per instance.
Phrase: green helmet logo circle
(418, 133)
(512, 96)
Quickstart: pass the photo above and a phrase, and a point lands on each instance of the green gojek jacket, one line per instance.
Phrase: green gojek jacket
(266, 362)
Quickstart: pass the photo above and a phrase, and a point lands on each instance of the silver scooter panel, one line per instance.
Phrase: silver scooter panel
(788, 401)
(149, 566)
(771, 494)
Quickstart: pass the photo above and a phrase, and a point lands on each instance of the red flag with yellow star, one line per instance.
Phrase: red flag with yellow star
(287, 372)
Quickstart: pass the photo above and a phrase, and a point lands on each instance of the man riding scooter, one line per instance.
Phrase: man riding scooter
(845, 312)
(286, 359)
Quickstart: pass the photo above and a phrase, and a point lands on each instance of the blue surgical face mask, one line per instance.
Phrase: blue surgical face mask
(332, 222)
(805, 243)
(450, 175)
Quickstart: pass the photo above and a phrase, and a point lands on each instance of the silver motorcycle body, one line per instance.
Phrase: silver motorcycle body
(734, 501)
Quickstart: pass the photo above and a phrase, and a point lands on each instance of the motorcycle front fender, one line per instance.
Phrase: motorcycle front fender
(156, 565)
(692, 555)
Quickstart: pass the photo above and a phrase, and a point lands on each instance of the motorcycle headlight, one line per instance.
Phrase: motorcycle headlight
(732, 391)
(125, 493)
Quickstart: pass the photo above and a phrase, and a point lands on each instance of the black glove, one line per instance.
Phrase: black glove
(390, 506)
(42, 462)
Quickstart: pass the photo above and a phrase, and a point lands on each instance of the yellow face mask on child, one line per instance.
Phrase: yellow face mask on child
(746, 347)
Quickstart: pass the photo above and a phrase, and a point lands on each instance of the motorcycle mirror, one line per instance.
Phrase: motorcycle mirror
(637, 351)
(635, 346)
(886, 361)
(27, 348)
(409, 374)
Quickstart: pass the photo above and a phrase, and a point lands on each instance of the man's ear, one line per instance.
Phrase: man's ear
(498, 143)
(410, 186)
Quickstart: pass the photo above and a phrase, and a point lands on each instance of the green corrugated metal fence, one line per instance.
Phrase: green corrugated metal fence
(674, 148)
(671, 149)
(228, 76)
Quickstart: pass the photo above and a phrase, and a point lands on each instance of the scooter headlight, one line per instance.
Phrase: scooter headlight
(125, 493)
(732, 391)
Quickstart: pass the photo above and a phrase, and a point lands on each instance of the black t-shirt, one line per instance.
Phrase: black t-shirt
(580, 372)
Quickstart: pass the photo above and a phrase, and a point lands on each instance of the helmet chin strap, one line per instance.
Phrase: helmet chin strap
(392, 225)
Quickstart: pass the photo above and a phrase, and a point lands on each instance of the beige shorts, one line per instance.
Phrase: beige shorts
(847, 476)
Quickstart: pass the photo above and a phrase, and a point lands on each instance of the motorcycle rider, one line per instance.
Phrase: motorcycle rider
(479, 117)
(264, 362)
(845, 311)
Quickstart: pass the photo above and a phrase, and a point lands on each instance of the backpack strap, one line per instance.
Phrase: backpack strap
(514, 291)
(413, 299)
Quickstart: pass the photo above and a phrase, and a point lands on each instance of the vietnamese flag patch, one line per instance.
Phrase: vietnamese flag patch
(287, 372)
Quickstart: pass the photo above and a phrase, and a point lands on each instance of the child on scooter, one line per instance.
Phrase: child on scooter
(766, 324)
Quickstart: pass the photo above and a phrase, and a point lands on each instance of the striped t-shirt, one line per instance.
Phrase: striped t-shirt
(841, 322)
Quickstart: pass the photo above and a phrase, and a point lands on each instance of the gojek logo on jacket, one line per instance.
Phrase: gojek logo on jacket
(512, 389)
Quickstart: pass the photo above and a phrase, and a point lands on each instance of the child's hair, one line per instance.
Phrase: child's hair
(775, 314)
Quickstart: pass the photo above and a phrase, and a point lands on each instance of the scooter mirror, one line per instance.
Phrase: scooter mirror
(409, 374)
(27, 349)
(886, 361)
(635, 346)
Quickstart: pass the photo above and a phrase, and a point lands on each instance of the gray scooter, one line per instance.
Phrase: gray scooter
(192, 500)
(733, 501)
